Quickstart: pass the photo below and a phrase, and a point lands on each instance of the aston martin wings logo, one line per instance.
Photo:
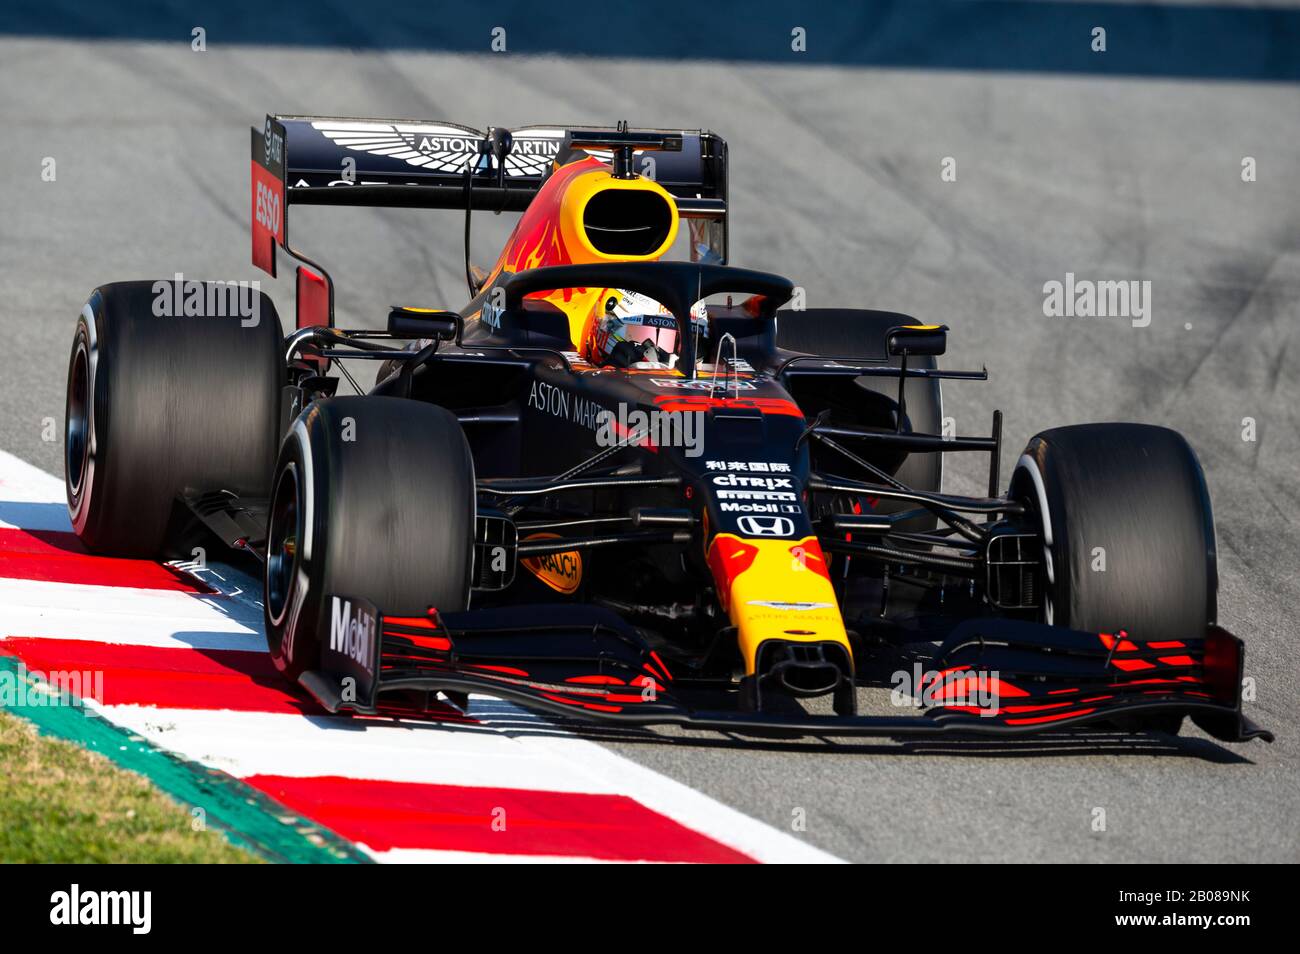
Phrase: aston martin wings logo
(442, 149)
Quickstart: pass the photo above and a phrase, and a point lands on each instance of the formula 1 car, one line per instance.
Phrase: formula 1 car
(632, 489)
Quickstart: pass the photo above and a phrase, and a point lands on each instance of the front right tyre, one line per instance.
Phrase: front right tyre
(159, 405)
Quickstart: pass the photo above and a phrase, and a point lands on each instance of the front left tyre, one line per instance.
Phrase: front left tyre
(1127, 528)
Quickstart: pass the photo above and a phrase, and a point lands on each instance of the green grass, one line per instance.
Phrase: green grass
(61, 803)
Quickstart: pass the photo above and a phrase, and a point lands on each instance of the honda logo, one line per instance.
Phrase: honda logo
(766, 526)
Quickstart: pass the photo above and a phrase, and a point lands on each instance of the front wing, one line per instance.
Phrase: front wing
(990, 677)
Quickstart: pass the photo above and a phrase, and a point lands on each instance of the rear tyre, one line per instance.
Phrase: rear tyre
(1128, 529)
(373, 499)
(861, 333)
(159, 406)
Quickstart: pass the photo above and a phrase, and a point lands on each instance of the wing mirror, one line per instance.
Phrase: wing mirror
(405, 322)
(917, 340)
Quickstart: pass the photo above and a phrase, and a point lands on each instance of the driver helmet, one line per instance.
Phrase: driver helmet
(632, 330)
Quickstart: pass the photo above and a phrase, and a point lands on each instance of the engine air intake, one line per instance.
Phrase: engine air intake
(627, 221)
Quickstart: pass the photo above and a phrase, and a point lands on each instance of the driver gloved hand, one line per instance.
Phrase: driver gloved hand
(628, 353)
(652, 352)
(625, 354)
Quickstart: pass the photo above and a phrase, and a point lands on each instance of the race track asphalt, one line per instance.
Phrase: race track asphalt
(835, 181)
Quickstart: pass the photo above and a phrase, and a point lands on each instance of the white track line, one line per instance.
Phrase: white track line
(129, 616)
(258, 743)
(282, 743)
(26, 495)
(495, 753)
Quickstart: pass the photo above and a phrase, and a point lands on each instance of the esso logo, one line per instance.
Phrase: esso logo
(268, 209)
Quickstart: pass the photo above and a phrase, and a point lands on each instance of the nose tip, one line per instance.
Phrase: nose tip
(809, 679)
(804, 669)
(800, 670)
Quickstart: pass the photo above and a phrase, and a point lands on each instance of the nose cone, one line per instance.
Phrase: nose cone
(776, 590)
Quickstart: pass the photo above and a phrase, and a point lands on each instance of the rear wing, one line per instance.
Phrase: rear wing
(321, 160)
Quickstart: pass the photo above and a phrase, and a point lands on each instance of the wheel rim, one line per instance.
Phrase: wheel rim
(282, 550)
(1034, 498)
(77, 437)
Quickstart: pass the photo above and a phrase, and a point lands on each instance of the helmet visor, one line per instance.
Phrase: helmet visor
(663, 338)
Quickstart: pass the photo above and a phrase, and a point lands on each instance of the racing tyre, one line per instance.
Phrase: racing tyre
(1127, 527)
(160, 405)
(374, 499)
(861, 333)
